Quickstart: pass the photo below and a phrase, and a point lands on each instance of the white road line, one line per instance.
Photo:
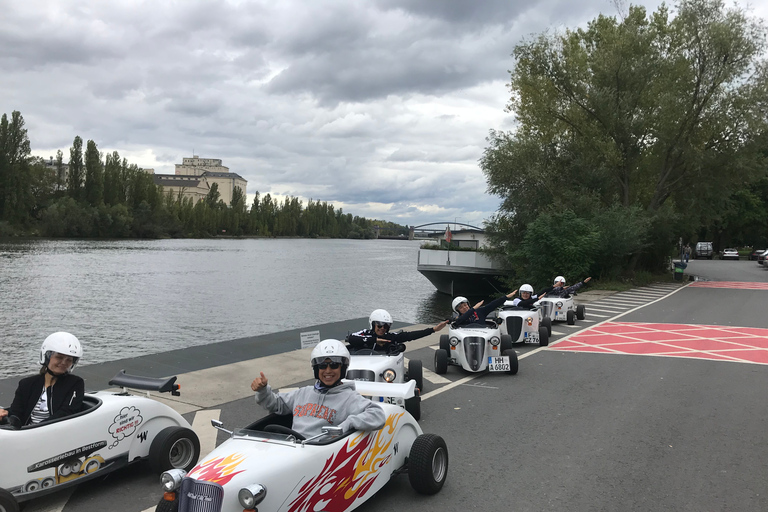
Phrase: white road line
(558, 333)
(589, 320)
(603, 310)
(205, 432)
(433, 377)
(52, 503)
(598, 316)
(622, 303)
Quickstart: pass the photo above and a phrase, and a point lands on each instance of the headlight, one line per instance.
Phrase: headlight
(559, 304)
(171, 479)
(529, 320)
(495, 341)
(389, 375)
(252, 495)
(454, 341)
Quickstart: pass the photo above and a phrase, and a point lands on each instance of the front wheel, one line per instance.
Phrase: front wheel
(547, 322)
(543, 337)
(441, 361)
(581, 312)
(428, 464)
(174, 448)
(7, 502)
(413, 406)
(513, 364)
(416, 372)
(571, 317)
(506, 342)
(445, 344)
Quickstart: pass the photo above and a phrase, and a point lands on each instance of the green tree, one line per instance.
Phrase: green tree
(15, 196)
(76, 171)
(60, 172)
(94, 175)
(644, 112)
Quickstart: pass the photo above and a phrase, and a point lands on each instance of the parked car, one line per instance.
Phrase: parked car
(730, 254)
(703, 250)
(754, 254)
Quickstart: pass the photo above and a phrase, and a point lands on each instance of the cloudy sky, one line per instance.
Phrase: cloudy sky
(378, 106)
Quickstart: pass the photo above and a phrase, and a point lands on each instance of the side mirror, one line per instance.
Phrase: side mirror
(333, 431)
(220, 426)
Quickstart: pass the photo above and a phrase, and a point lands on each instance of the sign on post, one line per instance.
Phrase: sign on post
(310, 339)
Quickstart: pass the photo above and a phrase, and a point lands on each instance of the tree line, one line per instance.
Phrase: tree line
(106, 197)
(630, 134)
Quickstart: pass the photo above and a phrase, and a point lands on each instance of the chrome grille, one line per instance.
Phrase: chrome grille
(546, 308)
(474, 351)
(366, 375)
(196, 496)
(514, 327)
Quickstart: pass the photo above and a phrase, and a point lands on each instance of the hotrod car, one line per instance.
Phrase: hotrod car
(562, 309)
(524, 325)
(369, 365)
(268, 465)
(476, 348)
(112, 430)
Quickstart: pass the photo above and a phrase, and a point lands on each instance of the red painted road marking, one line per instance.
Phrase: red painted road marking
(724, 343)
(738, 285)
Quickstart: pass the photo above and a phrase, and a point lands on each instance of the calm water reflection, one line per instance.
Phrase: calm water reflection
(130, 298)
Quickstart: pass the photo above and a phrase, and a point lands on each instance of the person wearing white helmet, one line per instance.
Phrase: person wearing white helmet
(560, 290)
(477, 313)
(527, 299)
(330, 402)
(54, 392)
(378, 337)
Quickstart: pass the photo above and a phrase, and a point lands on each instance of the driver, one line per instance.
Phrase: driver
(330, 402)
(559, 289)
(527, 299)
(378, 336)
(477, 313)
(54, 392)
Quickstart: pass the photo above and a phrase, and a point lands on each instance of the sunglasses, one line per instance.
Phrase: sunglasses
(382, 324)
(323, 366)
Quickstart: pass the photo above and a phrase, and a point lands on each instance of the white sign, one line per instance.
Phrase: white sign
(310, 339)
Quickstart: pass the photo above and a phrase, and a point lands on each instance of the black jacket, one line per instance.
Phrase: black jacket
(561, 291)
(65, 397)
(367, 338)
(477, 316)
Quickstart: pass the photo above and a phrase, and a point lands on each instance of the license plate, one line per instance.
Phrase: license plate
(498, 364)
(531, 337)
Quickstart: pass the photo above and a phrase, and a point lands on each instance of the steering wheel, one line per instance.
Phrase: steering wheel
(279, 429)
(394, 348)
(365, 352)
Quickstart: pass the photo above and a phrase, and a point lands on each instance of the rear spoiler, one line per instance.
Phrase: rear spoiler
(402, 390)
(160, 384)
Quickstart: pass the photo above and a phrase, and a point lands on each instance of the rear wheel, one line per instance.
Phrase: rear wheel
(506, 342)
(413, 406)
(9, 504)
(416, 372)
(543, 337)
(174, 448)
(547, 322)
(513, 365)
(444, 343)
(571, 317)
(441, 361)
(581, 312)
(428, 464)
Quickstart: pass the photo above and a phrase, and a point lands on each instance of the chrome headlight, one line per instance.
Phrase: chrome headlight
(559, 304)
(454, 341)
(529, 320)
(495, 341)
(389, 375)
(171, 479)
(251, 496)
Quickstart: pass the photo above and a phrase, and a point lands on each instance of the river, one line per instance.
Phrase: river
(135, 297)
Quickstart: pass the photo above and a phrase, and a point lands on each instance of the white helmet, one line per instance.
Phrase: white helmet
(457, 301)
(526, 288)
(381, 316)
(333, 350)
(559, 279)
(63, 343)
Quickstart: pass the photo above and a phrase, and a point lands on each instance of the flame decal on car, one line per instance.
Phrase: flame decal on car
(219, 471)
(348, 474)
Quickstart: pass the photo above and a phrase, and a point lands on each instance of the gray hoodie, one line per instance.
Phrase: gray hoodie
(340, 406)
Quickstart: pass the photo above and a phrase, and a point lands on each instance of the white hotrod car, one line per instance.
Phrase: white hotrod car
(476, 348)
(112, 430)
(368, 365)
(524, 325)
(562, 309)
(269, 466)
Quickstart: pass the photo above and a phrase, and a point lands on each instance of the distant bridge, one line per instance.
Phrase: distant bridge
(420, 228)
(425, 230)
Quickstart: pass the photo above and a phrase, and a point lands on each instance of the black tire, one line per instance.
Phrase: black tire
(168, 506)
(543, 337)
(506, 342)
(416, 372)
(547, 322)
(444, 343)
(428, 464)
(441, 361)
(513, 364)
(413, 406)
(581, 312)
(174, 448)
(571, 317)
(7, 502)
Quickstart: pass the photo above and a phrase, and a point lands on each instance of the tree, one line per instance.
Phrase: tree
(60, 173)
(15, 196)
(94, 175)
(645, 112)
(75, 178)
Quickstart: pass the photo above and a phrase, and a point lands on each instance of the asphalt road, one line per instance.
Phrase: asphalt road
(573, 431)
